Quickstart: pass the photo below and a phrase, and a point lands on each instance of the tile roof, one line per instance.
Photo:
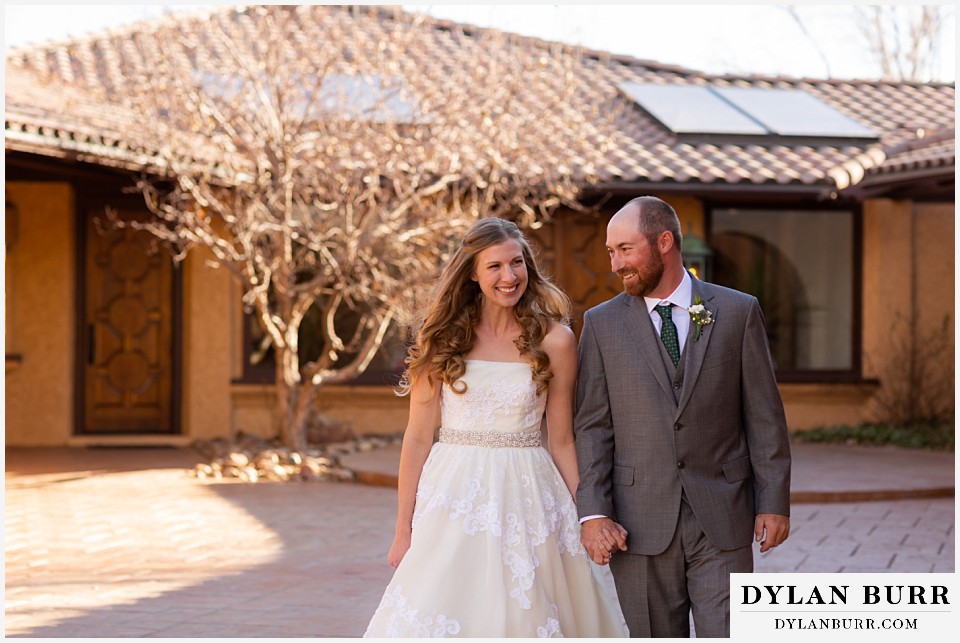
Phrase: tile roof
(921, 168)
(47, 116)
(928, 151)
(59, 99)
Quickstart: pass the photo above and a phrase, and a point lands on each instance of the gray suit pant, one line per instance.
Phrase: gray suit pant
(658, 592)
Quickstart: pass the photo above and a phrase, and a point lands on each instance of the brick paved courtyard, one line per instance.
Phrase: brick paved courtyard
(156, 553)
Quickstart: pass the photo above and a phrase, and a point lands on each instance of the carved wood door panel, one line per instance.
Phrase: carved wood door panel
(572, 249)
(128, 360)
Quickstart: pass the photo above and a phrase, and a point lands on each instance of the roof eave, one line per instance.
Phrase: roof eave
(818, 190)
(81, 152)
(878, 184)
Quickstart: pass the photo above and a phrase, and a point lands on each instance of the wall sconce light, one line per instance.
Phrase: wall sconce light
(696, 256)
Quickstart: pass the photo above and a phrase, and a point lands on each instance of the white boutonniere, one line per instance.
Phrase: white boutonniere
(700, 316)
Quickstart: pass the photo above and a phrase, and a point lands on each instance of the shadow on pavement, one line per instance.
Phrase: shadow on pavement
(325, 577)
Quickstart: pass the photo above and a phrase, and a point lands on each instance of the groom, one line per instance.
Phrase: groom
(680, 433)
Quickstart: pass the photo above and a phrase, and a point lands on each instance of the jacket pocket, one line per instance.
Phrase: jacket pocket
(717, 361)
(737, 470)
(622, 475)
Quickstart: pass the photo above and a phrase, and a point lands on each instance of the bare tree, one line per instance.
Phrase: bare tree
(918, 379)
(903, 40)
(802, 25)
(329, 157)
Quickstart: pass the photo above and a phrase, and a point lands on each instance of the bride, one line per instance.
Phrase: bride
(487, 538)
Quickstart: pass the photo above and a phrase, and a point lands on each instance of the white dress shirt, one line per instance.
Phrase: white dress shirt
(681, 298)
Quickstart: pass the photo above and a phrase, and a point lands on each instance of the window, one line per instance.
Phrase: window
(258, 354)
(800, 266)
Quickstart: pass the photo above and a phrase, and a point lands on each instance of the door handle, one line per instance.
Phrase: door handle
(91, 349)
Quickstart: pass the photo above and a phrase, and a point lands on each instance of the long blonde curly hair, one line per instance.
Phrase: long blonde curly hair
(446, 330)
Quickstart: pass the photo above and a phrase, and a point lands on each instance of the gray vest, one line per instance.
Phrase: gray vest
(675, 373)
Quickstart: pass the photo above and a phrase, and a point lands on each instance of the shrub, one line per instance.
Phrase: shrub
(938, 437)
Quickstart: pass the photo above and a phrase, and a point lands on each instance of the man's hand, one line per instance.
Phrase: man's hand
(776, 526)
(601, 537)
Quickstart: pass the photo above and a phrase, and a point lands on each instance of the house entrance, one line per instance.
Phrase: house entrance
(128, 344)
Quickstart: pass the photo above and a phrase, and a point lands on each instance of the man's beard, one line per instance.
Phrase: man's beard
(648, 277)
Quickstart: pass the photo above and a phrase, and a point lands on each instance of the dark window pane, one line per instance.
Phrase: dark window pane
(385, 368)
(799, 265)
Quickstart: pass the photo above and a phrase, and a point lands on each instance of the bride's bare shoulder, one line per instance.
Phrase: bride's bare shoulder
(559, 338)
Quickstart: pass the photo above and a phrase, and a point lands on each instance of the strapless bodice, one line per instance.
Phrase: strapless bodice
(501, 397)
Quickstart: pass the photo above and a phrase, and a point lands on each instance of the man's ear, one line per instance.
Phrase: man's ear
(665, 241)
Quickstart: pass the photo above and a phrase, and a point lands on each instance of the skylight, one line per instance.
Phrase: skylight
(369, 97)
(725, 113)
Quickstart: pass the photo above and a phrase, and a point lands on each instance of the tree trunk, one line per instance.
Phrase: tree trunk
(290, 427)
(306, 395)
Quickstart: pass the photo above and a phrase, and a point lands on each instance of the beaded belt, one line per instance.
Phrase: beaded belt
(490, 438)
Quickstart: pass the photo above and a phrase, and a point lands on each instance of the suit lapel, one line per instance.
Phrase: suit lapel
(695, 349)
(643, 332)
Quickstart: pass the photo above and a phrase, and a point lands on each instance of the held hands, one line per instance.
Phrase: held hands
(777, 528)
(601, 537)
(401, 543)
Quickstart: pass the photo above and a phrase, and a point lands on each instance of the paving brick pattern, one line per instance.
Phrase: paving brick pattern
(156, 553)
(894, 536)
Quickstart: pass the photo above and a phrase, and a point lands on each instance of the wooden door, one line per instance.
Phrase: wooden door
(572, 248)
(128, 377)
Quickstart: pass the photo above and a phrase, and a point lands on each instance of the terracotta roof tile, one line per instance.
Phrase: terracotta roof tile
(928, 150)
(61, 93)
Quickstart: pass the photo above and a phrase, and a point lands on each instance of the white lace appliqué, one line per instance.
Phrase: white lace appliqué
(487, 406)
(552, 629)
(404, 622)
(511, 516)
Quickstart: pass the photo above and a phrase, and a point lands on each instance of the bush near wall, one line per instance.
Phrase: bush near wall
(938, 437)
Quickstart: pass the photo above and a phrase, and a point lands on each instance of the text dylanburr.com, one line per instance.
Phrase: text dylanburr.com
(854, 606)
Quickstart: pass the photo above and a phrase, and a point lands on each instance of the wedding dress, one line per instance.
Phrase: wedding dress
(495, 548)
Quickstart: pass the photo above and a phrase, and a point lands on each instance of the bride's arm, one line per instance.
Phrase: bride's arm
(417, 441)
(560, 344)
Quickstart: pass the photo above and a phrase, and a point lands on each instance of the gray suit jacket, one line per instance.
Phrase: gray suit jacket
(722, 440)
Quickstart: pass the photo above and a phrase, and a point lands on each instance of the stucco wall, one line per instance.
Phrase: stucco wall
(887, 266)
(933, 285)
(369, 410)
(40, 294)
(209, 313)
(690, 213)
(812, 405)
(908, 287)
(934, 228)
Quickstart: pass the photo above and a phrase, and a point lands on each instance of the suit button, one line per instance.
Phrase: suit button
(676, 385)
(679, 465)
(677, 426)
